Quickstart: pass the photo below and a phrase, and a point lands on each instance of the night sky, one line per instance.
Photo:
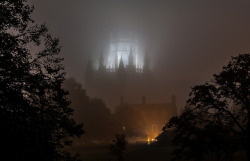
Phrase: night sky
(187, 40)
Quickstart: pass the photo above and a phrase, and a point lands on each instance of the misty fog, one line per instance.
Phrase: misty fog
(187, 41)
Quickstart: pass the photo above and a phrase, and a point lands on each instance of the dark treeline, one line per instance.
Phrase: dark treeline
(215, 124)
(35, 114)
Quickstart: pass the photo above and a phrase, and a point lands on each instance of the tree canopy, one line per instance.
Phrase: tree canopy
(35, 115)
(93, 112)
(216, 121)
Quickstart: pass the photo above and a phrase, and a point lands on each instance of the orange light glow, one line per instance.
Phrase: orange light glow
(151, 140)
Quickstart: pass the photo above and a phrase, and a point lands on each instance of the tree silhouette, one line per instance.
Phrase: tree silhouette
(35, 116)
(93, 112)
(118, 146)
(216, 121)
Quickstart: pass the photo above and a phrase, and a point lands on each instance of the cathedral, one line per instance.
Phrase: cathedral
(122, 67)
(123, 70)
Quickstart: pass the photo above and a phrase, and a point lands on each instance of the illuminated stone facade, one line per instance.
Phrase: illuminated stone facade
(120, 49)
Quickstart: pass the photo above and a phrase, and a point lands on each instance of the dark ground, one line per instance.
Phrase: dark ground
(134, 152)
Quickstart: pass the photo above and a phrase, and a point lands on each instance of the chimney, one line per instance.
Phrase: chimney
(143, 100)
(121, 101)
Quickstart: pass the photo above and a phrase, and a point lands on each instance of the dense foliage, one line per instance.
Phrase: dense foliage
(35, 116)
(93, 112)
(216, 121)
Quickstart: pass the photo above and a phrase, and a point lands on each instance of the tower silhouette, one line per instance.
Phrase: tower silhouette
(118, 70)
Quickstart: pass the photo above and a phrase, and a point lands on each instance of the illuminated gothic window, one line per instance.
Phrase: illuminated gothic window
(120, 49)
